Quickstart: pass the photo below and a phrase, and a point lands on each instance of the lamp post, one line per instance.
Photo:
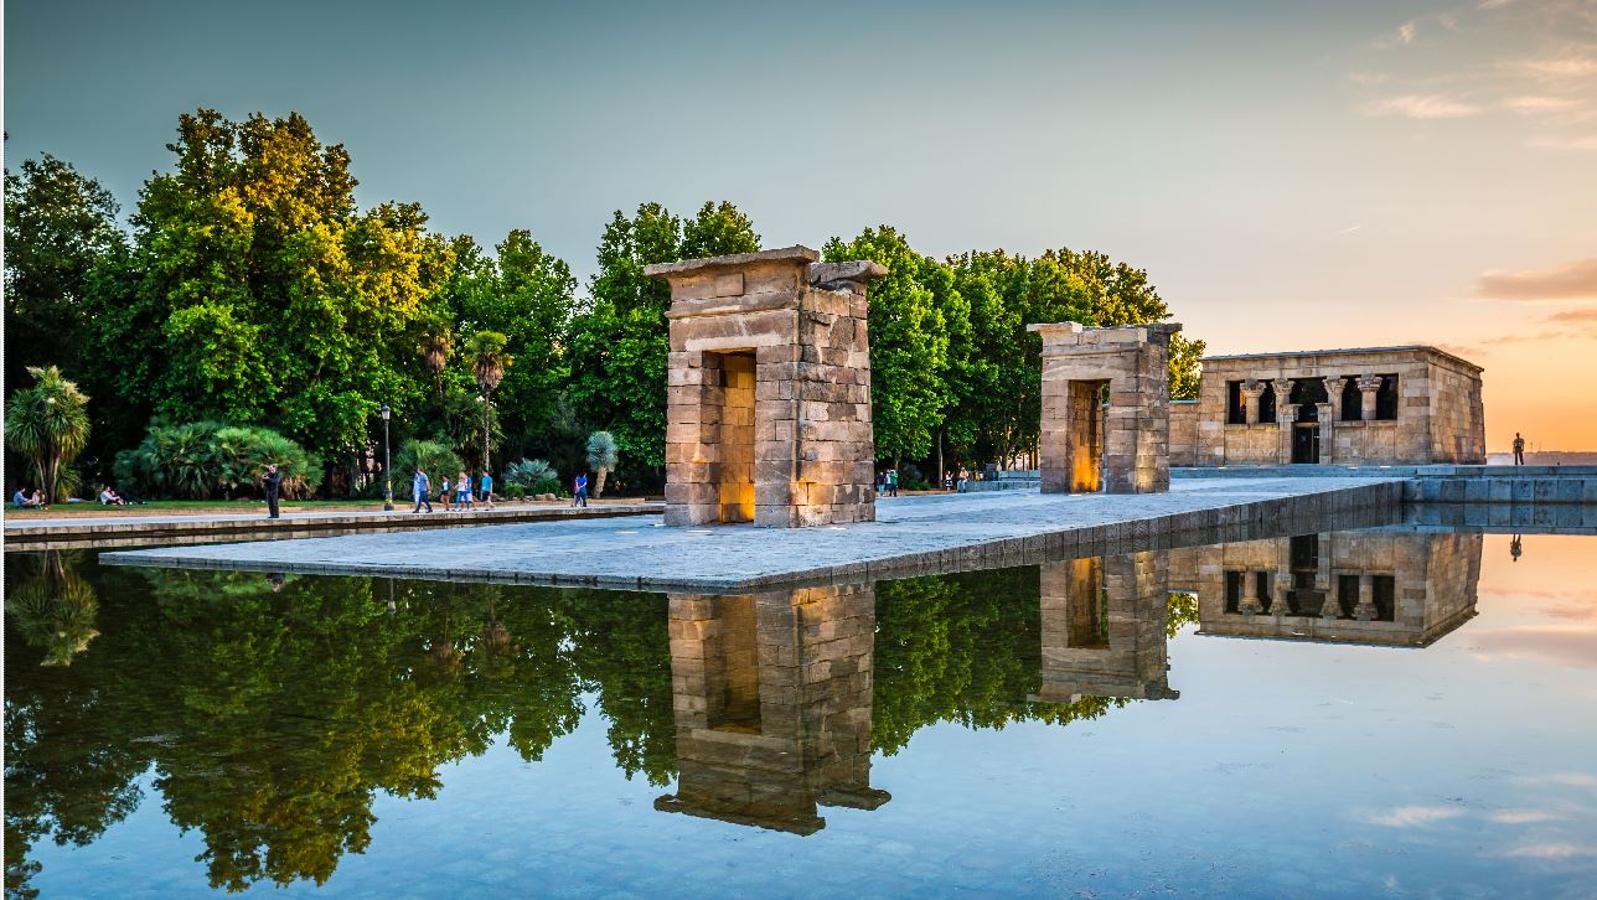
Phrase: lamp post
(388, 469)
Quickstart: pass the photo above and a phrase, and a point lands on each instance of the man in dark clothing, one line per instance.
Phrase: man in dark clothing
(273, 482)
(1519, 450)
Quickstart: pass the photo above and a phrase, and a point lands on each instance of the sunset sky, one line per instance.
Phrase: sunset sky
(1293, 175)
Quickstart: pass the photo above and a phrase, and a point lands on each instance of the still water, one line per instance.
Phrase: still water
(1370, 712)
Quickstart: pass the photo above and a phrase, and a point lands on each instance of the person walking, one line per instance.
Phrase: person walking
(579, 490)
(421, 490)
(1519, 450)
(272, 481)
(892, 482)
(446, 496)
(487, 485)
(463, 499)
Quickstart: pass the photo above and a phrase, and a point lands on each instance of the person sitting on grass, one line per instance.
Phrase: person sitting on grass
(109, 497)
(23, 500)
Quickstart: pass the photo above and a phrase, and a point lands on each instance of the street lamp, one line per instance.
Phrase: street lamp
(388, 469)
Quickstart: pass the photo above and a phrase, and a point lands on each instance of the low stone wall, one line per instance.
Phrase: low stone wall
(1446, 483)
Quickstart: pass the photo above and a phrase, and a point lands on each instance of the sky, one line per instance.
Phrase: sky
(1293, 175)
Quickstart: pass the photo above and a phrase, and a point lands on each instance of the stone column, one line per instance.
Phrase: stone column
(1369, 385)
(1333, 393)
(1365, 610)
(1327, 413)
(1252, 389)
(1286, 414)
(1251, 604)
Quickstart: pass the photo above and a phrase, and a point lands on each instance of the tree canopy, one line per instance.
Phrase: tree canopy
(253, 290)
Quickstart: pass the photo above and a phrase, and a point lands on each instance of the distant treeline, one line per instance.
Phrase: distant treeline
(253, 291)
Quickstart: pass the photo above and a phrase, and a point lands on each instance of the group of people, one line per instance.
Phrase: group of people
(887, 483)
(26, 499)
(456, 495)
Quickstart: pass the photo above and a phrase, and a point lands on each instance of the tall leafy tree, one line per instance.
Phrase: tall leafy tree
(260, 293)
(909, 340)
(619, 345)
(58, 225)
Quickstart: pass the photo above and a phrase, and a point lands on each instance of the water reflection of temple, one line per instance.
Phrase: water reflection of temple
(1104, 628)
(1374, 587)
(772, 696)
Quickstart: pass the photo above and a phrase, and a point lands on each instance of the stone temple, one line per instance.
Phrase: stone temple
(768, 407)
(1381, 405)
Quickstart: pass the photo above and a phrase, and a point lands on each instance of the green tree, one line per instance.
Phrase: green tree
(49, 424)
(909, 340)
(58, 226)
(486, 352)
(620, 344)
(256, 292)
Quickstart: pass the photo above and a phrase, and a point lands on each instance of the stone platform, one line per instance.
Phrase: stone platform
(134, 530)
(946, 532)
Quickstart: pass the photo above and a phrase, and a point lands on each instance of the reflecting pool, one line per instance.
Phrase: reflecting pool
(1404, 710)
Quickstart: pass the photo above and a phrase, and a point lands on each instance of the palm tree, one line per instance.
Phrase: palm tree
(49, 424)
(436, 345)
(601, 458)
(486, 351)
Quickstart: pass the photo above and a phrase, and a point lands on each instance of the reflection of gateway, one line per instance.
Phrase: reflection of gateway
(1103, 628)
(1366, 587)
(772, 696)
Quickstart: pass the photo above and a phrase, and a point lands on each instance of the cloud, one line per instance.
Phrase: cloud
(1578, 317)
(1569, 647)
(1423, 106)
(1495, 4)
(1551, 851)
(1522, 816)
(1350, 229)
(1368, 79)
(1409, 816)
(1572, 281)
(1405, 32)
(1553, 142)
(1541, 105)
(1568, 65)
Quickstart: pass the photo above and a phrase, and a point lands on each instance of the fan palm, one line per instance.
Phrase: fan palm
(49, 424)
(486, 351)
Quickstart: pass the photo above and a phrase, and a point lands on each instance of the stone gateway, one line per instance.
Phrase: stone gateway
(1085, 445)
(768, 406)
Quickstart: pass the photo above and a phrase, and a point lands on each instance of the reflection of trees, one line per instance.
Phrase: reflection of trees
(55, 609)
(962, 648)
(269, 721)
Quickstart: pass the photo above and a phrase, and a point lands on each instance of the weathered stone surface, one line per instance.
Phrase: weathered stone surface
(1435, 398)
(1085, 447)
(768, 393)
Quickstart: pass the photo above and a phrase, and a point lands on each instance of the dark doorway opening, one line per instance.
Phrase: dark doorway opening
(1306, 442)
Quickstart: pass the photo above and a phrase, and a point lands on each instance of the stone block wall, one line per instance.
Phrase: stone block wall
(1132, 365)
(1439, 412)
(800, 328)
(1183, 432)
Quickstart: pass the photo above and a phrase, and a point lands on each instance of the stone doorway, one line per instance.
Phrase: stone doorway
(735, 474)
(1086, 412)
(1105, 408)
(1306, 442)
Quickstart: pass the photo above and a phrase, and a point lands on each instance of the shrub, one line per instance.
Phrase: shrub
(434, 458)
(201, 460)
(532, 476)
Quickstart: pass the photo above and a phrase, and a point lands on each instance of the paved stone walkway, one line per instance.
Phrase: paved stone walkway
(132, 529)
(949, 530)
